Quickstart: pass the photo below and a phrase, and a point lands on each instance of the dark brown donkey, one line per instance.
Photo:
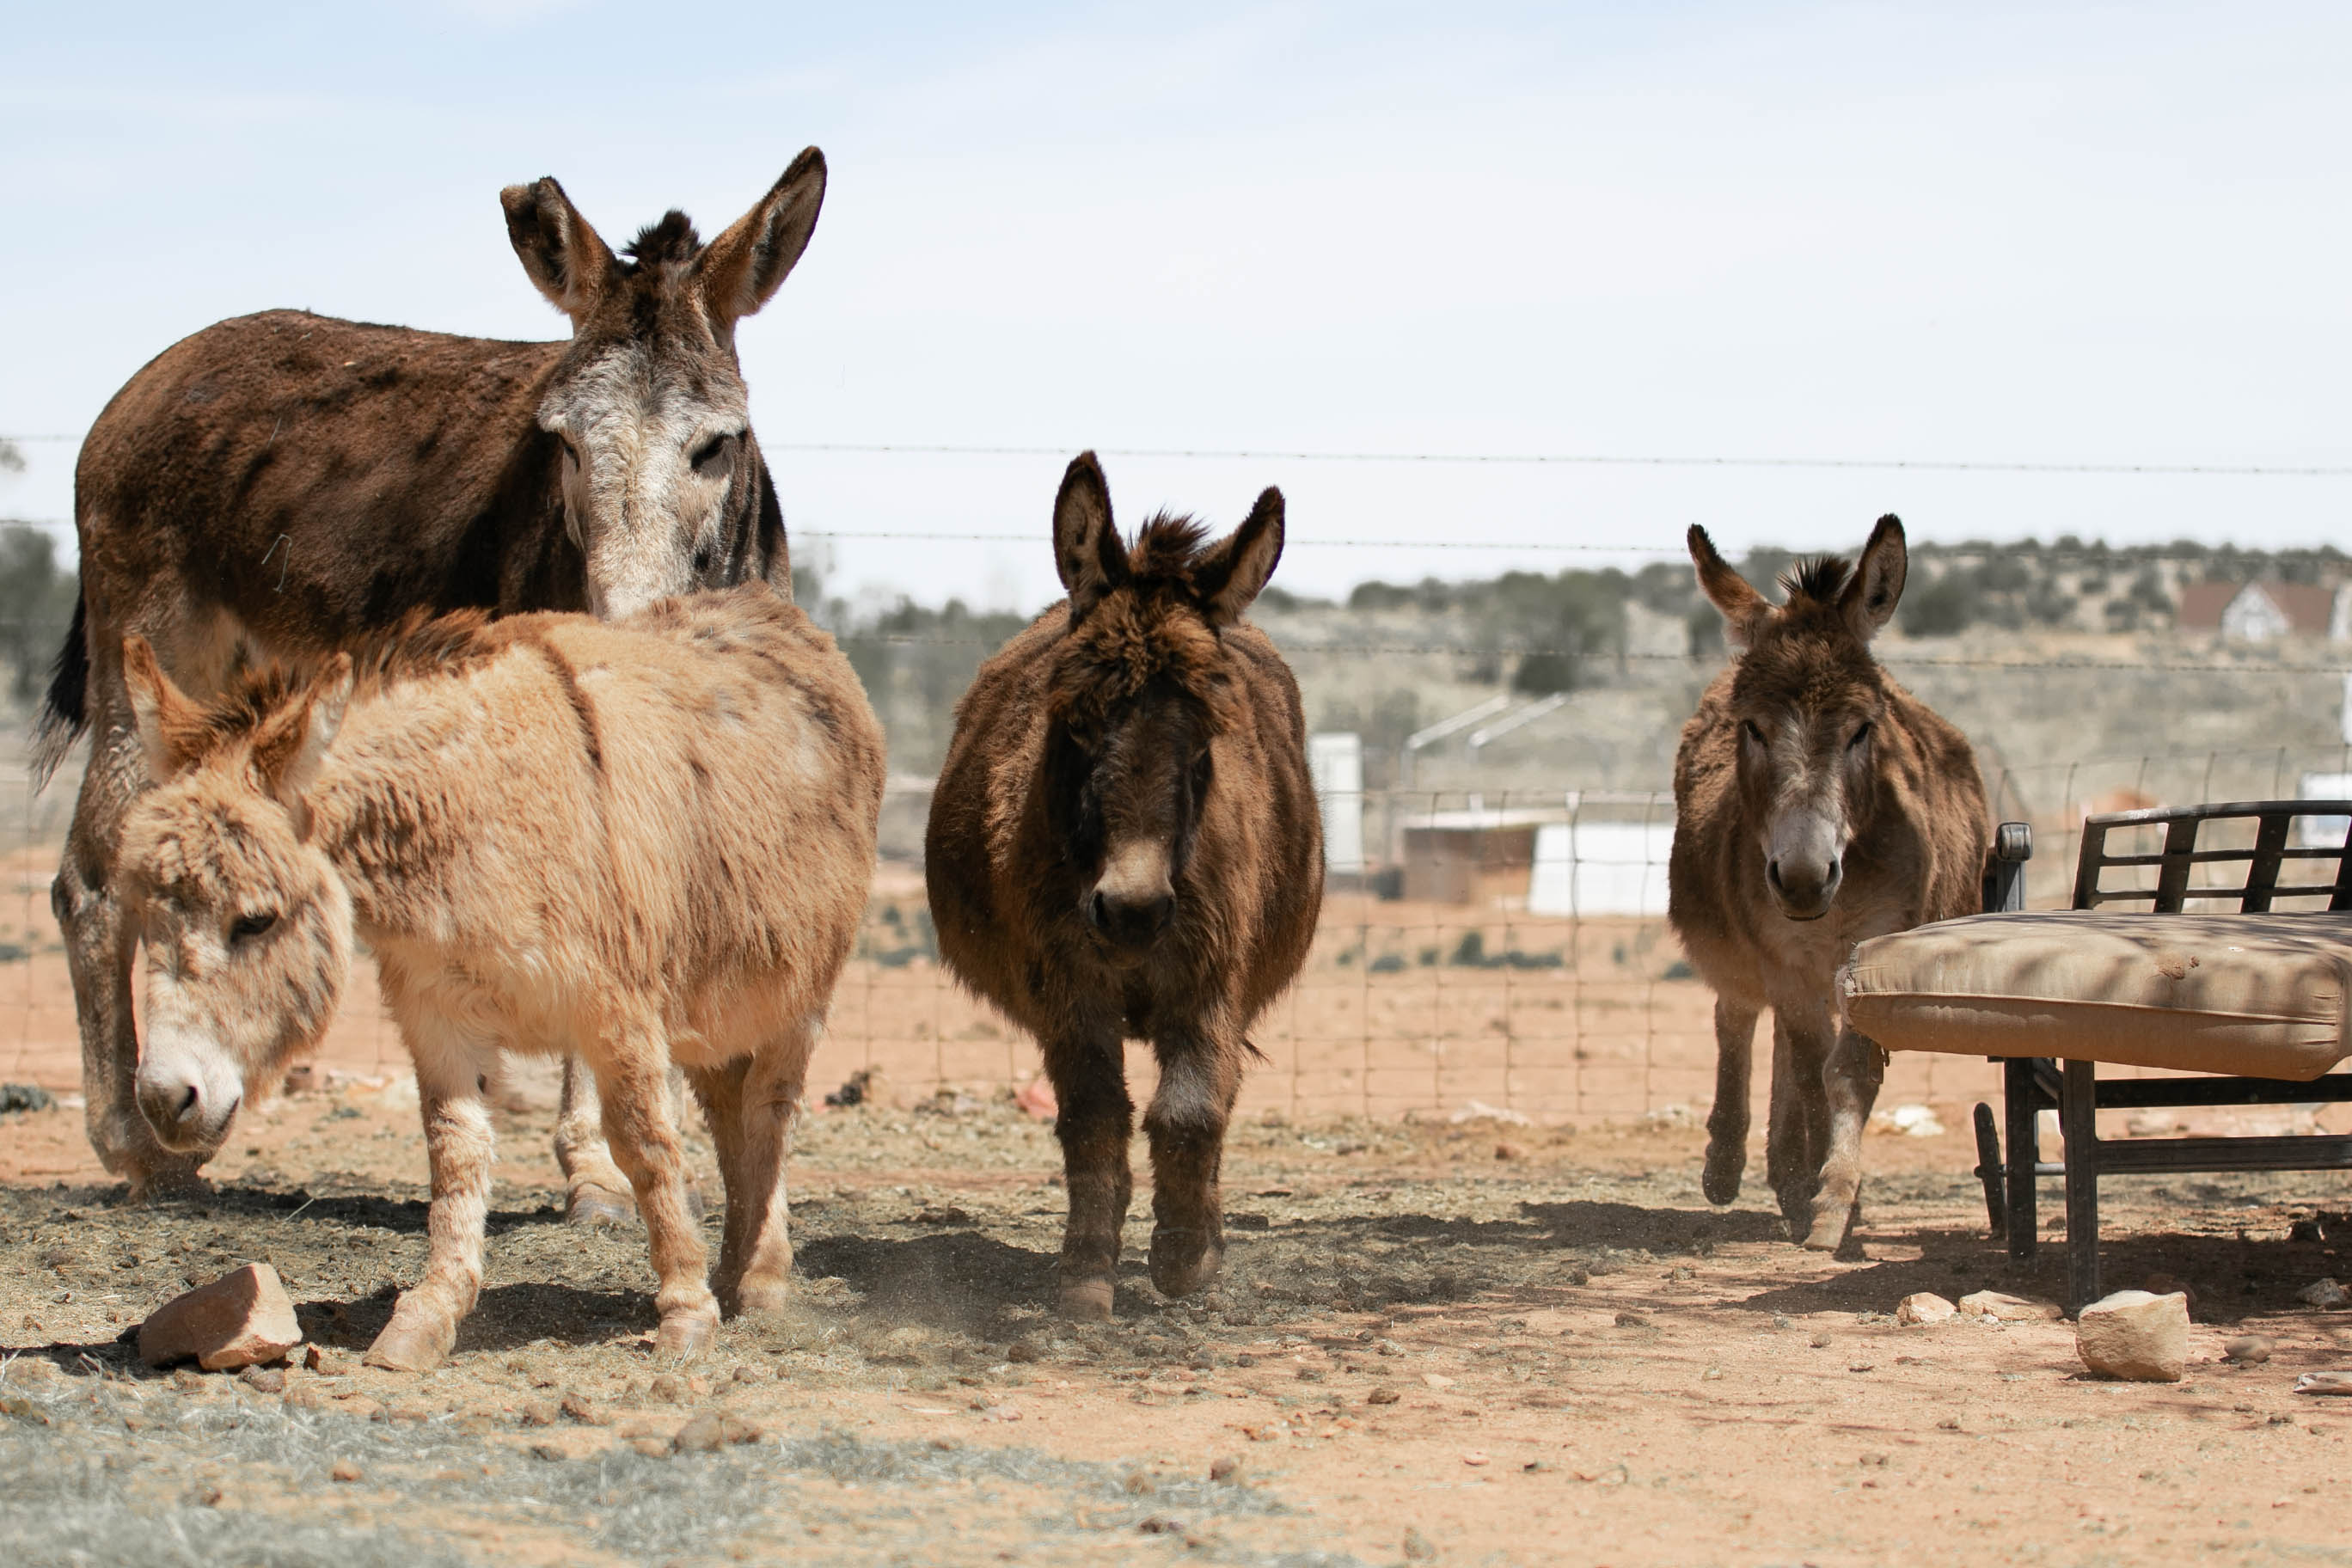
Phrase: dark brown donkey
(1816, 803)
(279, 486)
(1124, 845)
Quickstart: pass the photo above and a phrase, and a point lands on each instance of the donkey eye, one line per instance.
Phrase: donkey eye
(1859, 735)
(247, 927)
(715, 456)
(1749, 732)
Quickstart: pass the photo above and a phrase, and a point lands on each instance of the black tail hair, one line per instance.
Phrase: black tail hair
(65, 711)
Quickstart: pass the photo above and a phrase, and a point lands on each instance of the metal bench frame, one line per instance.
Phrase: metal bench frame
(2033, 1084)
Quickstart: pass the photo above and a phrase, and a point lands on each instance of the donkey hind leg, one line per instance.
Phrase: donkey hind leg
(633, 1080)
(1198, 1081)
(750, 1103)
(100, 939)
(595, 1193)
(1726, 1124)
(1095, 1120)
(462, 1147)
(1851, 1077)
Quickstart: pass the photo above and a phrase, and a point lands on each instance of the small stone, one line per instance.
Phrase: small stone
(302, 1396)
(537, 1412)
(1922, 1307)
(344, 1471)
(1139, 1485)
(666, 1389)
(2324, 1294)
(735, 1429)
(2135, 1336)
(188, 1381)
(1161, 1524)
(1382, 1395)
(242, 1319)
(703, 1434)
(1507, 1150)
(2324, 1382)
(1476, 1459)
(1224, 1467)
(1021, 1351)
(2251, 1349)
(263, 1379)
(651, 1447)
(579, 1409)
(2003, 1307)
(1417, 1548)
(545, 1451)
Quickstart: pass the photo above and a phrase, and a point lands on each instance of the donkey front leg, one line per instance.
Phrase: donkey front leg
(1095, 1120)
(1793, 1142)
(1198, 1078)
(1726, 1124)
(750, 1103)
(1851, 1077)
(461, 1146)
(633, 1079)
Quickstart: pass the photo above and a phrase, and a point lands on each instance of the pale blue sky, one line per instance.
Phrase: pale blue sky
(2045, 233)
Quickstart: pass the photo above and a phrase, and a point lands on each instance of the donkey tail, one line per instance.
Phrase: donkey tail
(65, 711)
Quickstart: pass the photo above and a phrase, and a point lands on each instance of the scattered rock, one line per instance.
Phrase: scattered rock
(1224, 1467)
(263, 1379)
(1021, 1351)
(1476, 1459)
(537, 1412)
(2324, 1294)
(1924, 1307)
(1139, 1485)
(735, 1429)
(242, 1319)
(1382, 1395)
(700, 1435)
(2324, 1382)
(1161, 1524)
(1507, 1150)
(2135, 1336)
(2003, 1307)
(666, 1389)
(302, 1396)
(868, 1085)
(344, 1471)
(651, 1447)
(546, 1451)
(1417, 1548)
(578, 1408)
(24, 1097)
(2251, 1349)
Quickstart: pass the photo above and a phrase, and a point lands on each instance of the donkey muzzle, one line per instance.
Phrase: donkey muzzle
(1135, 898)
(188, 1103)
(1804, 891)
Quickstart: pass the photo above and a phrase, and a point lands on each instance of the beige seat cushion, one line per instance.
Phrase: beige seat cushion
(2258, 996)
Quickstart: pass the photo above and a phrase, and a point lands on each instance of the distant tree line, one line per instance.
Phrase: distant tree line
(37, 604)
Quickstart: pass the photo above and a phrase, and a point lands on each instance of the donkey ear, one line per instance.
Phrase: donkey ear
(1088, 551)
(560, 252)
(160, 709)
(291, 745)
(1230, 576)
(743, 268)
(1743, 608)
(1869, 600)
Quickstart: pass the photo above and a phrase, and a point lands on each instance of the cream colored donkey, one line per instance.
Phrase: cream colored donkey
(652, 838)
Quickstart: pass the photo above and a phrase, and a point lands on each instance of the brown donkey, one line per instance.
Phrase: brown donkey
(654, 839)
(1816, 803)
(1125, 844)
(280, 486)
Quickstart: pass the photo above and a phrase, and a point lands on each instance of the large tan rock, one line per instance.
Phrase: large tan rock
(1922, 1307)
(243, 1319)
(2135, 1336)
(2007, 1308)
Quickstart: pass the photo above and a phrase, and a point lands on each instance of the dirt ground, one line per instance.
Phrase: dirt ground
(1460, 1343)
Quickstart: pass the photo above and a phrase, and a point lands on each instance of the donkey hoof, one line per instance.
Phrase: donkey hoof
(683, 1337)
(597, 1207)
(1184, 1261)
(1086, 1300)
(411, 1343)
(1720, 1180)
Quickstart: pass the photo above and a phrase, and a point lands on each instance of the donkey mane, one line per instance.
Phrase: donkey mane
(1821, 580)
(1147, 628)
(663, 244)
